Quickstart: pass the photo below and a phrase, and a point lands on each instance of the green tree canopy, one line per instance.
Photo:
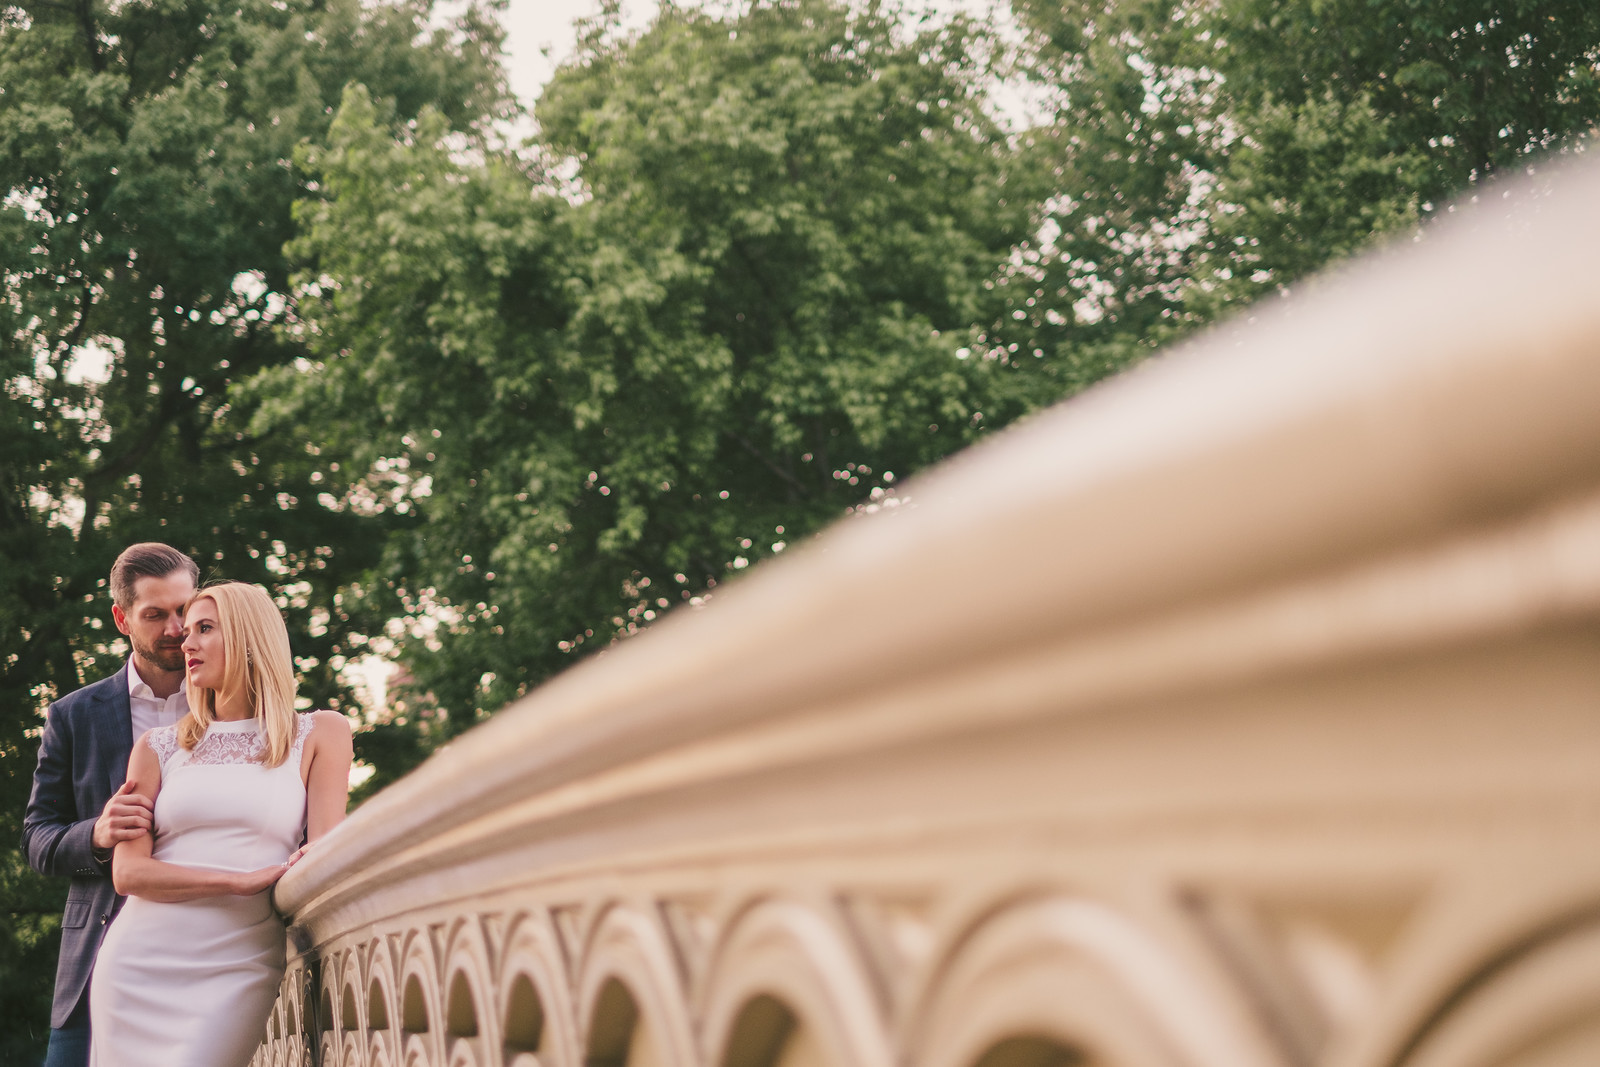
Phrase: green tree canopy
(724, 307)
(147, 175)
(1207, 153)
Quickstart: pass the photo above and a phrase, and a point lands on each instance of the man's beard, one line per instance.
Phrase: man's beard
(162, 656)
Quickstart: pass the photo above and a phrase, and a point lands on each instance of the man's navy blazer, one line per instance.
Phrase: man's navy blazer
(83, 760)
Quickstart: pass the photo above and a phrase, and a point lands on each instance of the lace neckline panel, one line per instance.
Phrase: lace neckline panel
(229, 747)
(226, 743)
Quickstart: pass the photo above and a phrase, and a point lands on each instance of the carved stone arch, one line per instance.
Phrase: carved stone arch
(353, 1049)
(286, 1037)
(350, 1006)
(324, 970)
(469, 1000)
(630, 998)
(783, 956)
(380, 992)
(1081, 978)
(380, 1051)
(319, 1010)
(420, 1024)
(330, 1049)
(297, 1023)
(276, 1025)
(419, 1052)
(464, 1054)
(1537, 1006)
(267, 1054)
(343, 980)
(330, 970)
(534, 1006)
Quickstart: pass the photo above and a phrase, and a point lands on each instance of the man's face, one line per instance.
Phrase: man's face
(154, 621)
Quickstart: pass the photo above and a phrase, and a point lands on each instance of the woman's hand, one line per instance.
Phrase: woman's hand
(249, 883)
(252, 882)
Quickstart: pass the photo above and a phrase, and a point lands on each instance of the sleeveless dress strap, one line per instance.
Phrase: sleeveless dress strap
(163, 741)
(302, 730)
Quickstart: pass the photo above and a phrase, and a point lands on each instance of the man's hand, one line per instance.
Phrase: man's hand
(127, 815)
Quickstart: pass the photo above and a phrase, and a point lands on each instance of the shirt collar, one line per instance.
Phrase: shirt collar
(139, 689)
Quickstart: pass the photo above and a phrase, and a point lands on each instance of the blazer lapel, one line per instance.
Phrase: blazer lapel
(113, 729)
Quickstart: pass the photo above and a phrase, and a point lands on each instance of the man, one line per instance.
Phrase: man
(80, 806)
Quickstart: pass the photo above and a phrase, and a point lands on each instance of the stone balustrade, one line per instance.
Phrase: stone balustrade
(1242, 712)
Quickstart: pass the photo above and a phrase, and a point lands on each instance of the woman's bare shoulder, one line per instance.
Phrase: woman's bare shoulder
(329, 724)
(161, 741)
(148, 757)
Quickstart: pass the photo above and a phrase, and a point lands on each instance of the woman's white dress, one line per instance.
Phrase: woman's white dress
(191, 984)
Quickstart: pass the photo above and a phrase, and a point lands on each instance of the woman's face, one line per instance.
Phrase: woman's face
(203, 658)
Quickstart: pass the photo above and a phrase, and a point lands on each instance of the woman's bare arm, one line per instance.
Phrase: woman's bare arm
(135, 873)
(327, 773)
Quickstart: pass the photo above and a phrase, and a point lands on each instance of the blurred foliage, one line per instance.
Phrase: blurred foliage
(1207, 152)
(277, 292)
(146, 153)
(741, 321)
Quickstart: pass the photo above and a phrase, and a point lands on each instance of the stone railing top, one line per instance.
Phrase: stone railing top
(1373, 410)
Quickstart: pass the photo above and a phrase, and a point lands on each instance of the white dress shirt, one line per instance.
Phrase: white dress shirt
(149, 710)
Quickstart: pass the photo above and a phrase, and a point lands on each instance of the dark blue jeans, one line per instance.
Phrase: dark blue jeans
(69, 1046)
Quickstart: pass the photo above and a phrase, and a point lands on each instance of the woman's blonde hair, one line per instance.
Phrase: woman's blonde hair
(255, 646)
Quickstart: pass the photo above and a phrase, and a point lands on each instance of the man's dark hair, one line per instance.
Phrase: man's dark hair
(148, 559)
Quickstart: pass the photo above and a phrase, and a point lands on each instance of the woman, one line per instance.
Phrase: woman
(190, 968)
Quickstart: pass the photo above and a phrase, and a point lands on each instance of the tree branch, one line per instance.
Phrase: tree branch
(91, 36)
(171, 407)
(769, 464)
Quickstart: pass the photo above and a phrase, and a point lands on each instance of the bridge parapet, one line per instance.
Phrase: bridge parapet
(1243, 712)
